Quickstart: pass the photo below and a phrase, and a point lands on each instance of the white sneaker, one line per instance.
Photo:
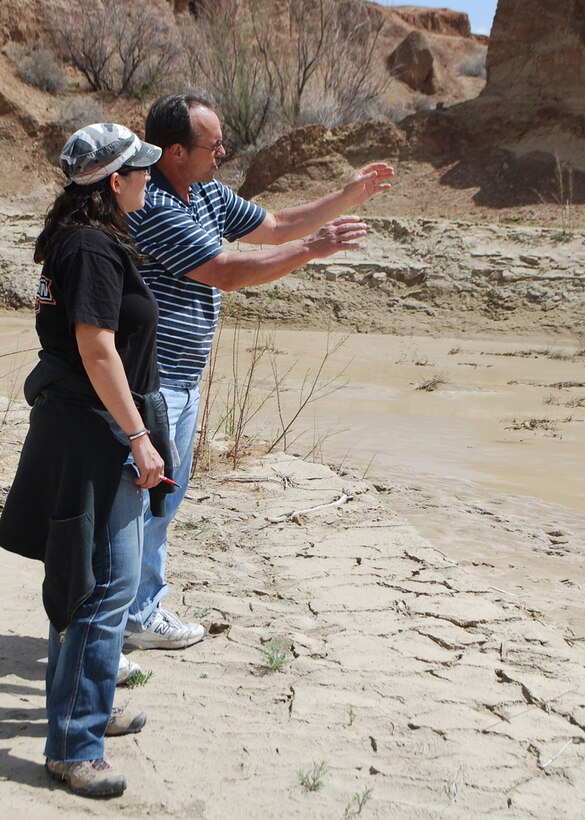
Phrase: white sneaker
(125, 669)
(165, 632)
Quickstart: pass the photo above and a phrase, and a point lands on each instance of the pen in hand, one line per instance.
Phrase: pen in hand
(169, 481)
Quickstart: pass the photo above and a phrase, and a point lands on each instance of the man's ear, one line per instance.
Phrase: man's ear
(176, 151)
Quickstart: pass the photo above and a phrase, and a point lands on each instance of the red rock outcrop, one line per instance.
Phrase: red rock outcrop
(537, 52)
(439, 21)
(534, 98)
(316, 153)
(413, 63)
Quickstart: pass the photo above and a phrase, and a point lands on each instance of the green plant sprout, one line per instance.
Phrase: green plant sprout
(312, 779)
(356, 804)
(275, 655)
(138, 679)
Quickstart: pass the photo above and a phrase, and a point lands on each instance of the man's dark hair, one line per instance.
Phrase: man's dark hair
(168, 120)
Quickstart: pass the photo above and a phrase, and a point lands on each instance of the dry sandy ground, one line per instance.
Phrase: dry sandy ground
(435, 660)
(434, 627)
(422, 686)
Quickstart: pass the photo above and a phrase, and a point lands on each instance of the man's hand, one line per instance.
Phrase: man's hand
(367, 182)
(338, 235)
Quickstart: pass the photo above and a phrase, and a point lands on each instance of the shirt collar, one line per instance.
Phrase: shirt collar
(159, 179)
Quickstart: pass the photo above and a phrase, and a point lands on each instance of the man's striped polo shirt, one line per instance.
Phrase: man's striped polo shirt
(177, 237)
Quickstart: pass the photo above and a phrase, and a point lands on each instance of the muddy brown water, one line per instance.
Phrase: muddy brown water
(492, 418)
(496, 415)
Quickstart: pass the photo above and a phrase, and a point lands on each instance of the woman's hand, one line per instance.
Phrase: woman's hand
(148, 461)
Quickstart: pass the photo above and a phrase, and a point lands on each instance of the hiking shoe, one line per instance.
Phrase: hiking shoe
(124, 722)
(91, 778)
(125, 669)
(165, 632)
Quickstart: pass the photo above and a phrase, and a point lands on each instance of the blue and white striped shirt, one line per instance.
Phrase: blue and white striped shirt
(178, 237)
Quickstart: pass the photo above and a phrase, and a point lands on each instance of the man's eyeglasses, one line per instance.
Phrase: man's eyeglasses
(214, 148)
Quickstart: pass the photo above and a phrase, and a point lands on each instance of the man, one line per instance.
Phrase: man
(180, 231)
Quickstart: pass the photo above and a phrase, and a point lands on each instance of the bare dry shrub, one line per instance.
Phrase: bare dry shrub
(316, 66)
(474, 66)
(347, 71)
(38, 66)
(564, 176)
(292, 54)
(126, 46)
(233, 404)
(220, 49)
(326, 49)
(77, 111)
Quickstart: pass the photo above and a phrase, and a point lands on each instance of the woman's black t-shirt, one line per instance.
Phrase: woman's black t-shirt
(89, 278)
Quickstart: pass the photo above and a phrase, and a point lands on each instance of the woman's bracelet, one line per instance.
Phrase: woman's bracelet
(139, 434)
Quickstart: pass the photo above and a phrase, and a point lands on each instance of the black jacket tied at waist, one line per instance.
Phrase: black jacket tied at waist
(68, 475)
(52, 377)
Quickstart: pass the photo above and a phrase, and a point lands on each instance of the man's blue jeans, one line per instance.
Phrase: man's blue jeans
(81, 673)
(182, 407)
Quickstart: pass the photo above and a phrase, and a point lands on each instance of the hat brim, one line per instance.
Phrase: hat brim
(146, 155)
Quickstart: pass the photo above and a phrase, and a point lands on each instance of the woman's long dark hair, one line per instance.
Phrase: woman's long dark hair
(92, 206)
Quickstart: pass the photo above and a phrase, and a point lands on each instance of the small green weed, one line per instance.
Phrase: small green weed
(357, 803)
(275, 655)
(312, 780)
(138, 679)
(199, 614)
(350, 716)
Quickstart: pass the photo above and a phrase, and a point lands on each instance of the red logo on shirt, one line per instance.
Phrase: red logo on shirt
(44, 295)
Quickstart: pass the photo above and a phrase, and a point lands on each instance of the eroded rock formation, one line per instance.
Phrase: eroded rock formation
(534, 98)
(439, 21)
(413, 63)
(537, 52)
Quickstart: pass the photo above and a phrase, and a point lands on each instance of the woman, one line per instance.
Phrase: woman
(76, 501)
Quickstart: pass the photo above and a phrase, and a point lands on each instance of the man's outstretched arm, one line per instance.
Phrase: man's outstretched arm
(302, 220)
(230, 271)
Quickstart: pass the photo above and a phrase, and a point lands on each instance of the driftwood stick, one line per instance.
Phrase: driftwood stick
(294, 514)
(245, 479)
(503, 591)
(554, 757)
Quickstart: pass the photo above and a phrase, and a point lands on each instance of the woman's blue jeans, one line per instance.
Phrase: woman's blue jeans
(82, 670)
(182, 407)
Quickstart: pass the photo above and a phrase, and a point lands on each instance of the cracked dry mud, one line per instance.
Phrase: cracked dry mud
(435, 627)
(412, 673)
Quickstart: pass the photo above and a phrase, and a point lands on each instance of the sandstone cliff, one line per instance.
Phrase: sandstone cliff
(536, 77)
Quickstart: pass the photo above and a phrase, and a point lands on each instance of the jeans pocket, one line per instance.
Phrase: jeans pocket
(69, 576)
